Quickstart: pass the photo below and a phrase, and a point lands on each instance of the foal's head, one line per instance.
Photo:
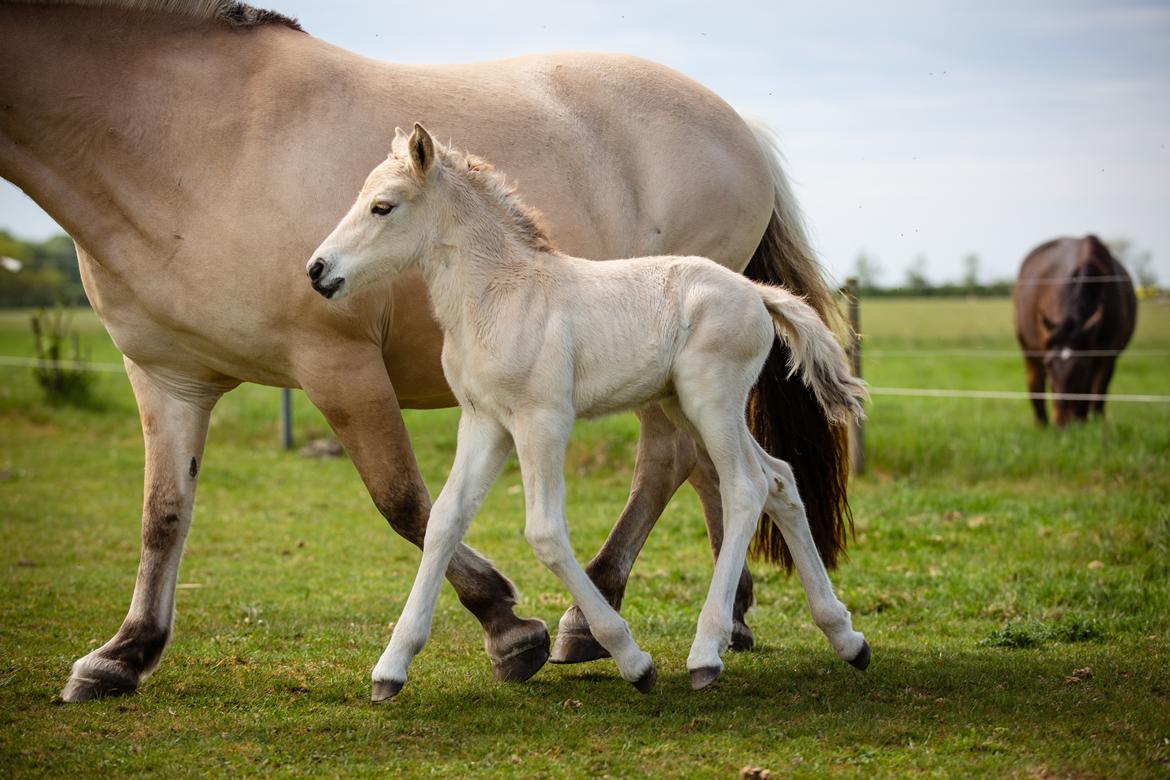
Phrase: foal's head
(418, 199)
(390, 225)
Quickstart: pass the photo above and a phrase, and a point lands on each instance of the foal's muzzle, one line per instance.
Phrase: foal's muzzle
(317, 276)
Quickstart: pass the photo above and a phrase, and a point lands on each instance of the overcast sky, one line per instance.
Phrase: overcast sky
(931, 128)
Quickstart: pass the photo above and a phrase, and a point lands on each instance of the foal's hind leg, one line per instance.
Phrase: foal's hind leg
(705, 480)
(174, 431)
(787, 511)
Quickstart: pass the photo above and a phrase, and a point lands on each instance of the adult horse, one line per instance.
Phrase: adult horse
(198, 151)
(1075, 312)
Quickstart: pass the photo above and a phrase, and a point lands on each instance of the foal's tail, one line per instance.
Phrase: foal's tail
(784, 413)
(815, 354)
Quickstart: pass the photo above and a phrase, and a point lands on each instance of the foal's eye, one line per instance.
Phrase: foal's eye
(381, 208)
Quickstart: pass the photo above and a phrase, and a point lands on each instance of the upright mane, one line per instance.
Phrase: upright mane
(227, 12)
(526, 221)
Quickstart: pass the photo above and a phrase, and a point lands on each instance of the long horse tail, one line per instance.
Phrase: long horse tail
(784, 413)
(815, 355)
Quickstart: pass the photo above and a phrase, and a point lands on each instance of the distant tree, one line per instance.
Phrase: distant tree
(971, 271)
(916, 281)
(47, 272)
(1139, 263)
(867, 272)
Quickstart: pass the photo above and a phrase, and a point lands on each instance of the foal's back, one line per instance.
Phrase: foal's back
(624, 324)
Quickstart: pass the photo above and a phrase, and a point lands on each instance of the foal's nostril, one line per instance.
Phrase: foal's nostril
(316, 269)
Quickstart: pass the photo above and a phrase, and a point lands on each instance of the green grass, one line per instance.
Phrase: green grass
(992, 561)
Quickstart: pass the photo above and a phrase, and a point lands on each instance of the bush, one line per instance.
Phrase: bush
(59, 373)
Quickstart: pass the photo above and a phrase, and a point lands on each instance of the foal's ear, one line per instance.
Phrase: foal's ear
(398, 145)
(422, 149)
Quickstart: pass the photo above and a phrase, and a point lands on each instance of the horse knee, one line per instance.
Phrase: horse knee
(406, 510)
(549, 546)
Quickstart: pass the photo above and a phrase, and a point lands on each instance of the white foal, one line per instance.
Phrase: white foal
(533, 339)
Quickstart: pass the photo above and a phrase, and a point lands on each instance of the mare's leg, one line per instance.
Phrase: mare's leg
(480, 452)
(1102, 376)
(540, 445)
(787, 511)
(1034, 368)
(665, 458)
(174, 430)
(359, 402)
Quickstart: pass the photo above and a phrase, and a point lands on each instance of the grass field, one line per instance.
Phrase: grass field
(993, 564)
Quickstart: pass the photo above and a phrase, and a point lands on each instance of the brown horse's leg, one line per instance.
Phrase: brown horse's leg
(1034, 367)
(1102, 376)
(174, 430)
(665, 459)
(363, 411)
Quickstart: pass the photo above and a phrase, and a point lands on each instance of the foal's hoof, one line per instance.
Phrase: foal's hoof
(742, 638)
(576, 647)
(645, 683)
(861, 660)
(704, 676)
(385, 690)
(522, 665)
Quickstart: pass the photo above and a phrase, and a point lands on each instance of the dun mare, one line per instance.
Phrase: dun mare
(533, 339)
(197, 151)
(1075, 312)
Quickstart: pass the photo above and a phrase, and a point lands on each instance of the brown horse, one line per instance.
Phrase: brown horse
(1075, 312)
(197, 151)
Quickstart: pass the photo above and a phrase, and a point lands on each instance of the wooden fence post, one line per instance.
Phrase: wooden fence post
(857, 428)
(286, 434)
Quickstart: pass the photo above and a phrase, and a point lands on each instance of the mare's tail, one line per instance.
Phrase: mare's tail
(784, 413)
(815, 354)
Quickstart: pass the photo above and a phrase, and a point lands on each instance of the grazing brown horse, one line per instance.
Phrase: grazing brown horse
(1075, 313)
(197, 150)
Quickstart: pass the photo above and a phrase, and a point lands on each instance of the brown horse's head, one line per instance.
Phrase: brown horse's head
(1068, 357)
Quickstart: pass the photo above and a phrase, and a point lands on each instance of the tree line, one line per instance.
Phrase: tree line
(39, 273)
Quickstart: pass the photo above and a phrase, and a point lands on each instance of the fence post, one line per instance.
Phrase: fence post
(286, 435)
(857, 427)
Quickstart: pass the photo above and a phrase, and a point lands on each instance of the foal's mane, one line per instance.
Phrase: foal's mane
(486, 181)
(227, 12)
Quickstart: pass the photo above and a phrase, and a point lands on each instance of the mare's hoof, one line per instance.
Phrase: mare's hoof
(105, 678)
(519, 651)
(522, 665)
(645, 683)
(742, 638)
(385, 690)
(704, 676)
(574, 647)
(861, 660)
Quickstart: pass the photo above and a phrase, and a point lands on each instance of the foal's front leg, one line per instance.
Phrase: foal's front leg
(482, 447)
(541, 439)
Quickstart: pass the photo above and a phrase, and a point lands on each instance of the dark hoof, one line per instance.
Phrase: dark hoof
(742, 638)
(645, 683)
(97, 684)
(861, 660)
(522, 665)
(576, 648)
(704, 676)
(385, 690)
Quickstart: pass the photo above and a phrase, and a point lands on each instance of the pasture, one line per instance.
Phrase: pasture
(1012, 582)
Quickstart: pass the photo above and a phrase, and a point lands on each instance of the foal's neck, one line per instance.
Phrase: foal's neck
(474, 259)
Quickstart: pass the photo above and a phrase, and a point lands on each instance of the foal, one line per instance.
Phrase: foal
(533, 339)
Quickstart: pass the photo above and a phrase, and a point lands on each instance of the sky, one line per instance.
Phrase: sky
(915, 131)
